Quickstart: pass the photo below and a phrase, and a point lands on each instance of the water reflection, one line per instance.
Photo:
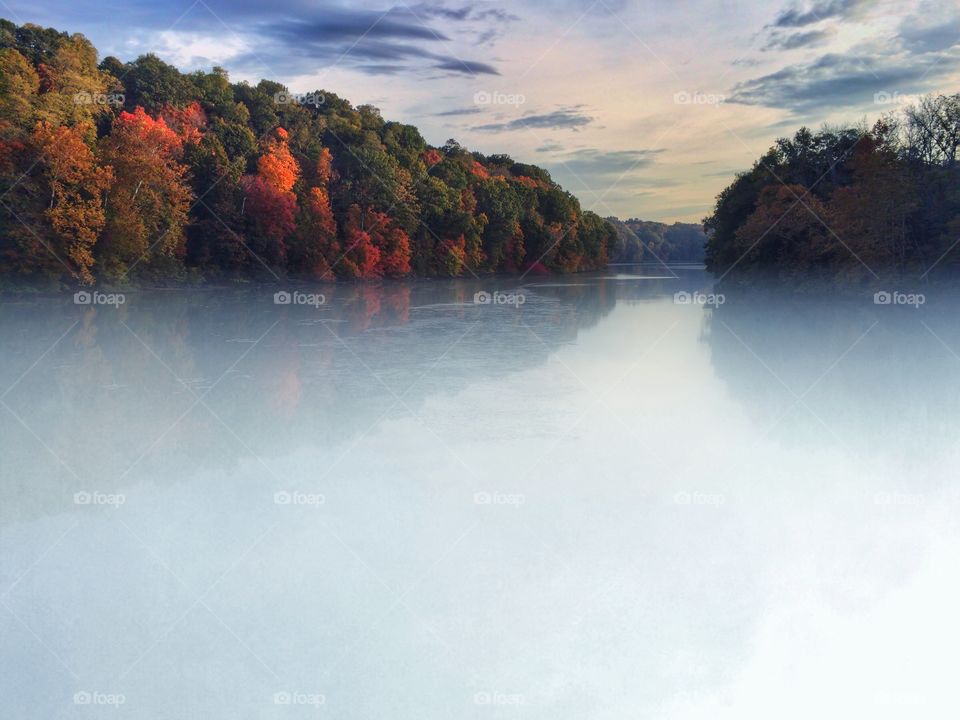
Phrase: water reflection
(879, 380)
(601, 503)
(113, 393)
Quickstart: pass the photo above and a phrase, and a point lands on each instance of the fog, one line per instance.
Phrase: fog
(588, 497)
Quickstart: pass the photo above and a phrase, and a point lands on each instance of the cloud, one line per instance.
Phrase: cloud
(285, 38)
(812, 38)
(467, 67)
(595, 162)
(848, 80)
(463, 13)
(730, 173)
(443, 12)
(549, 147)
(921, 35)
(818, 11)
(370, 41)
(565, 118)
(459, 111)
(604, 178)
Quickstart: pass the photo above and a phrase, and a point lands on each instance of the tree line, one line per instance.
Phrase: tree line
(656, 242)
(848, 203)
(115, 171)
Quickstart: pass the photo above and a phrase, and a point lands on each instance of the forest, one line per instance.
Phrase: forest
(848, 203)
(656, 242)
(117, 172)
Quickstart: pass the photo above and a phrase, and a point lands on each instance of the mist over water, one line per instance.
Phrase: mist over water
(587, 497)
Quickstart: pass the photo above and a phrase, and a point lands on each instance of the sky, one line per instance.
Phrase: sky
(640, 108)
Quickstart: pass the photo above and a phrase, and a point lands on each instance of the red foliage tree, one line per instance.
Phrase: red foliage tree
(269, 197)
(361, 257)
(275, 212)
(393, 244)
(187, 122)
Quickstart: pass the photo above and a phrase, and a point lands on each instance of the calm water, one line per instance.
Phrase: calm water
(600, 503)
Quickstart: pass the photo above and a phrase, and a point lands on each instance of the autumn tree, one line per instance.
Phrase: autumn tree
(76, 186)
(361, 256)
(19, 94)
(872, 213)
(270, 202)
(787, 232)
(187, 122)
(153, 169)
(314, 249)
(148, 201)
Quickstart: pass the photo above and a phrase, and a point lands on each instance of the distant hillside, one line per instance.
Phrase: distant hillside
(649, 241)
(114, 171)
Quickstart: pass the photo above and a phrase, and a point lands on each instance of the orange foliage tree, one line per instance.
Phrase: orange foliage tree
(149, 199)
(315, 250)
(76, 187)
(269, 198)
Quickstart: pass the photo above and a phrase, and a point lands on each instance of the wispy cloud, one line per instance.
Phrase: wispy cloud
(792, 41)
(818, 11)
(565, 118)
